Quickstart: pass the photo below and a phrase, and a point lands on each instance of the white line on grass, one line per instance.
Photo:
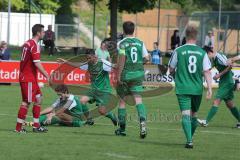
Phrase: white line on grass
(118, 155)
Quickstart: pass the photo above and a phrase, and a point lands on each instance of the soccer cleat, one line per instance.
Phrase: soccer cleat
(89, 122)
(189, 145)
(143, 130)
(40, 130)
(238, 125)
(22, 131)
(203, 123)
(120, 132)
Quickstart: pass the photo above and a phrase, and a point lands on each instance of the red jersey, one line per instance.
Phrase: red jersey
(30, 55)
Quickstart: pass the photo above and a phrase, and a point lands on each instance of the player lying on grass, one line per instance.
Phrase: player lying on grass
(188, 64)
(226, 87)
(66, 110)
(29, 66)
(130, 75)
(100, 90)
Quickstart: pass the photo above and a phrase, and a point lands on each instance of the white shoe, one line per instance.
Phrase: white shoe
(238, 125)
(203, 123)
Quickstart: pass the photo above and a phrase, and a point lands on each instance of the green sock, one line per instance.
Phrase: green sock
(235, 113)
(141, 112)
(194, 124)
(211, 113)
(55, 120)
(186, 123)
(122, 118)
(110, 115)
(42, 119)
(77, 123)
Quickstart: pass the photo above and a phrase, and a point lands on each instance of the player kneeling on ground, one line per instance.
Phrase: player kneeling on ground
(67, 110)
(225, 89)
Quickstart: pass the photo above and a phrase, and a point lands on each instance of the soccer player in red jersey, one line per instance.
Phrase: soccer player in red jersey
(29, 66)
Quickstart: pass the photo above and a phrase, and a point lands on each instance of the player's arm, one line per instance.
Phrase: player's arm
(232, 60)
(74, 64)
(222, 73)
(41, 69)
(66, 105)
(173, 63)
(46, 110)
(145, 54)
(120, 62)
(207, 75)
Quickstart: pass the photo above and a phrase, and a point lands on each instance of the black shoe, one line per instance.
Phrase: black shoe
(189, 145)
(89, 122)
(22, 131)
(40, 130)
(143, 130)
(120, 132)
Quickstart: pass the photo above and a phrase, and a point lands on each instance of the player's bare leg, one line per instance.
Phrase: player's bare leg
(142, 115)
(102, 110)
(68, 120)
(121, 118)
(234, 111)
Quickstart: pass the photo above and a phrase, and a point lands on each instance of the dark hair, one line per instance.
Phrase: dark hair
(62, 88)
(37, 28)
(208, 49)
(156, 43)
(128, 27)
(191, 32)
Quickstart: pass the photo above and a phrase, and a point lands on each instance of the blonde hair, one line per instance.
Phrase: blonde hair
(191, 32)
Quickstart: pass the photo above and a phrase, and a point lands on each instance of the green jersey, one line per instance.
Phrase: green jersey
(220, 63)
(134, 50)
(99, 75)
(190, 61)
(74, 107)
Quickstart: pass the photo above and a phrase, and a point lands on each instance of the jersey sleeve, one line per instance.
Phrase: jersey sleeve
(173, 60)
(222, 59)
(84, 67)
(56, 103)
(121, 49)
(72, 104)
(206, 63)
(144, 51)
(35, 53)
(107, 66)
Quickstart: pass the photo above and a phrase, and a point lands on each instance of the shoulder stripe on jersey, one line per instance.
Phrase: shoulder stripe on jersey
(221, 58)
(170, 61)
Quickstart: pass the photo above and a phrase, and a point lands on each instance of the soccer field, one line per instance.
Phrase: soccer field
(165, 139)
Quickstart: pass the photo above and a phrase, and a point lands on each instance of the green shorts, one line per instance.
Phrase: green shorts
(189, 102)
(129, 88)
(225, 92)
(101, 98)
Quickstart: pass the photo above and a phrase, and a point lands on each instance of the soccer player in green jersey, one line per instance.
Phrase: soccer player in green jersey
(188, 64)
(225, 89)
(66, 110)
(130, 76)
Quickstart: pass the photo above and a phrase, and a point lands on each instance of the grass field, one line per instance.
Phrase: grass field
(165, 138)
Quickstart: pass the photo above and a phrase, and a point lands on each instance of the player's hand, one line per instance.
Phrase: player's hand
(216, 77)
(209, 94)
(61, 60)
(229, 61)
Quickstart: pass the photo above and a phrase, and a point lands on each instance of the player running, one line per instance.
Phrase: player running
(130, 75)
(189, 63)
(226, 87)
(100, 83)
(66, 110)
(29, 66)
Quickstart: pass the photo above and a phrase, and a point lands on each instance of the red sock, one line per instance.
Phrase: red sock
(22, 112)
(36, 113)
